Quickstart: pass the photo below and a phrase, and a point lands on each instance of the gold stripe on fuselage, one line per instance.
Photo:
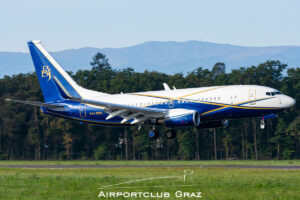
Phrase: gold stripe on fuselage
(211, 103)
(174, 98)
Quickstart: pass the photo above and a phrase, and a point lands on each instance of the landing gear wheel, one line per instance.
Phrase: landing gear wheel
(262, 124)
(152, 134)
(170, 134)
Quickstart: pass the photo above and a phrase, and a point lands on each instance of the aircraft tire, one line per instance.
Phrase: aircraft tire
(170, 134)
(152, 134)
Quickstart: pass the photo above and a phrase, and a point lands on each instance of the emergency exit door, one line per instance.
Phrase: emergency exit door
(82, 110)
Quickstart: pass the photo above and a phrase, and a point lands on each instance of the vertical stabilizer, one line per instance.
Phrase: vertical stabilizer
(48, 70)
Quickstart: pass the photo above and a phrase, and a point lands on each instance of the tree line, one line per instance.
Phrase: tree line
(26, 133)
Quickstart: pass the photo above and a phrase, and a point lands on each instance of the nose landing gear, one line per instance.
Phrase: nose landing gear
(262, 123)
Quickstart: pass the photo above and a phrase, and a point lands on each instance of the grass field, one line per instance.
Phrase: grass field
(209, 162)
(214, 183)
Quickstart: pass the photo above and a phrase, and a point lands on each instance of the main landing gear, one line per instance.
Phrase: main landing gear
(152, 134)
(169, 134)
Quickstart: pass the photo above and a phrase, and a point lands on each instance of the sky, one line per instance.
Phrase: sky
(65, 24)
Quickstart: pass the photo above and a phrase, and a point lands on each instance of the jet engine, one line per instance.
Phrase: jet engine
(182, 117)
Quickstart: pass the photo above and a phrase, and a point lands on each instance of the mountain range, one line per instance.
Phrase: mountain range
(169, 57)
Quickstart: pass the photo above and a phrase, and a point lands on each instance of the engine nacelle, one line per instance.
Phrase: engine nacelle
(182, 117)
(214, 124)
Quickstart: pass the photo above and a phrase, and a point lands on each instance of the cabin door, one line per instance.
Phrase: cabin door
(252, 96)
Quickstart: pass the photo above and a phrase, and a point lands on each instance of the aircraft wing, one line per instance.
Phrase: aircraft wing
(139, 114)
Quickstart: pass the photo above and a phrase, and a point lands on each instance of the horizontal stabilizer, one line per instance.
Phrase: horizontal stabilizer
(35, 103)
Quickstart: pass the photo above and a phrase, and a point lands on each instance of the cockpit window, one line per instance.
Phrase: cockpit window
(272, 93)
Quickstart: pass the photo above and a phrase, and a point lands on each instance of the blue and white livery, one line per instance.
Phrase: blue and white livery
(203, 107)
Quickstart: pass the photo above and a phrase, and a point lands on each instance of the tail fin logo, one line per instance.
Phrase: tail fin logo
(46, 72)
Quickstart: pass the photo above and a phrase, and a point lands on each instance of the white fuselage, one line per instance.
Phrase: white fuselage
(251, 96)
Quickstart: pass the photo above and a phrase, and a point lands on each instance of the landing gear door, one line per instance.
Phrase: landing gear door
(82, 110)
(252, 96)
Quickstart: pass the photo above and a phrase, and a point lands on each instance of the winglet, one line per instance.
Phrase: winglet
(166, 86)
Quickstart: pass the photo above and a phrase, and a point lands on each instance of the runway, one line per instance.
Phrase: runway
(152, 166)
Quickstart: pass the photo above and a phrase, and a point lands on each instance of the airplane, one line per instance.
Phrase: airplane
(203, 107)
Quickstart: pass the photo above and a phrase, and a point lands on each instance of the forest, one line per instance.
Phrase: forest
(27, 134)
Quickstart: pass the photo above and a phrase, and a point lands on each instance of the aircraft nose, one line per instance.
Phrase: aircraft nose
(289, 102)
